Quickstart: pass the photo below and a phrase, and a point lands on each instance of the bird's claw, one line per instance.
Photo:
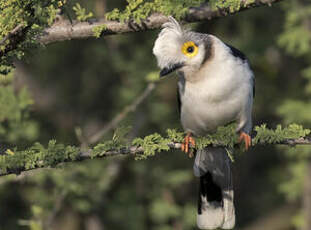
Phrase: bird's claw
(187, 143)
(247, 140)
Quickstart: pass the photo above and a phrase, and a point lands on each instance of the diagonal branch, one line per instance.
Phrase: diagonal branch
(132, 151)
(11, 34)
(16, 37)
(82, 30)
(120, 117)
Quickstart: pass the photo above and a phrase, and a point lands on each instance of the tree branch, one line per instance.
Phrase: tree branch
(12, 33)
(120, 117)
(64, 30)
(82, 30)
(132, 151)
(16, 36)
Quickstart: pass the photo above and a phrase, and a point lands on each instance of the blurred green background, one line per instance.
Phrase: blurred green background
(83, 84)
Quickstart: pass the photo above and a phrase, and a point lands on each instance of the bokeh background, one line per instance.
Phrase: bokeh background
(79, 86)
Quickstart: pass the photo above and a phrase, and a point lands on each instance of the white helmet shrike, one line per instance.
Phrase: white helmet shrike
(215, 88)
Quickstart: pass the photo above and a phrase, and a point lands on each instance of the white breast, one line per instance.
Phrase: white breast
(219, 97)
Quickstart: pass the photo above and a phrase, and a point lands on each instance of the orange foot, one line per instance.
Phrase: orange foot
(188, 140)
(247, 140)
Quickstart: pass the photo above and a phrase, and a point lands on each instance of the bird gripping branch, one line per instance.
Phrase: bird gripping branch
(215, 88)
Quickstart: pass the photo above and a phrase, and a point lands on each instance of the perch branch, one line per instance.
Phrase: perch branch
(135, 151)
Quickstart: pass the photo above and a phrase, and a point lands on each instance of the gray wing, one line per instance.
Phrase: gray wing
(239, 54)
(178, 101)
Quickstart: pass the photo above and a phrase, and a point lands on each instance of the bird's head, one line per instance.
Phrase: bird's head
(178, 49)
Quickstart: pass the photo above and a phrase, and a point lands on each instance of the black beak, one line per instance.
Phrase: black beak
(167, 70)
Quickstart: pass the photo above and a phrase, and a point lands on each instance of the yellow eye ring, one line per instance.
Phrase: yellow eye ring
(190, 49)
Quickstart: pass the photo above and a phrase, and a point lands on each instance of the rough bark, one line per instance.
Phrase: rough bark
(81, 30)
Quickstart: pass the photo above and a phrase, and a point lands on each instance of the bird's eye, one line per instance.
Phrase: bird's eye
(190, 49)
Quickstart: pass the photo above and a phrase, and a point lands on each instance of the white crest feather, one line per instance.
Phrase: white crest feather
(172, 25)
(167, 47)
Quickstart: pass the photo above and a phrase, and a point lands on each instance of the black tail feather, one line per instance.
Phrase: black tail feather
(208, 189)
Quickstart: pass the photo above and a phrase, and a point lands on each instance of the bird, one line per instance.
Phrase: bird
(216, 87)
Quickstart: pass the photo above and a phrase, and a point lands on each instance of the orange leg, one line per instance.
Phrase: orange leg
(247, 140)
(187, 142)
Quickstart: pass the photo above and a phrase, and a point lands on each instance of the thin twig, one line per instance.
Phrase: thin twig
(120, 117)
(58, 204)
